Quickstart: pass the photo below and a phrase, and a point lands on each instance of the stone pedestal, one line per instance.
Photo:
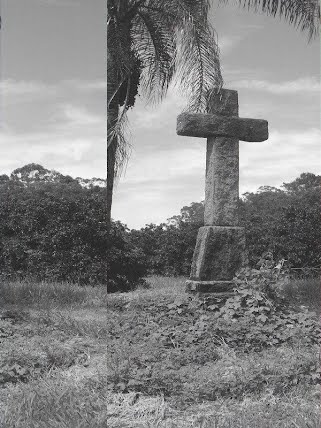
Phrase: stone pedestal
(219, 253)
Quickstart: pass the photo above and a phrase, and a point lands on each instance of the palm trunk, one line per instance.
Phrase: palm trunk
(114, 80)
(112, 115)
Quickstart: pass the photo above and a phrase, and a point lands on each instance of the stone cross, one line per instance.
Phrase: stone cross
(220, 247)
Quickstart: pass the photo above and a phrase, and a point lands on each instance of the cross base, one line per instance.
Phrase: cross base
(220, 288)
(219, 253)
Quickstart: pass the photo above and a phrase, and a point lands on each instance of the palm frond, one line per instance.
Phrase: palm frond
(176, 43)
(197, 56)
(120, 66)
(121, 131)
(198, 65)
(303, 14)
(153, 44)
(117, 135)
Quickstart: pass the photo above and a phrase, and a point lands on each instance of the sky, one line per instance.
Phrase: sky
(53, 105)
(53, 86)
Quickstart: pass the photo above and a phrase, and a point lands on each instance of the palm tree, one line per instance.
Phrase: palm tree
(152, 43)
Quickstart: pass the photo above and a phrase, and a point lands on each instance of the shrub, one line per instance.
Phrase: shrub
(126, 264)
(53, 231)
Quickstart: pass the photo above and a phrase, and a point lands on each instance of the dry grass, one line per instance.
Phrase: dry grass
(51, 294)
(52, 356)
(304, 292)
(56, 401)
(159, 286)
(130, 411)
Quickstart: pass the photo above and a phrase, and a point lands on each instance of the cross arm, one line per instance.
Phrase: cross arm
(210, 125)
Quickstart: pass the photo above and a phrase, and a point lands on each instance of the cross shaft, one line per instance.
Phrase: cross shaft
(223, 129)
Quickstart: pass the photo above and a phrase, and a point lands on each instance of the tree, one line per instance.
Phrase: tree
(301, 221)
(151, 42)
(286, 222)
(306, 181)
(52, 230)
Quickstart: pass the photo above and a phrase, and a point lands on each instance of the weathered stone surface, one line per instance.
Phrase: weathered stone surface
(210, 125)
(219, 253)
(224, 103)
(222, 168)
(223, 287)
(222, 182)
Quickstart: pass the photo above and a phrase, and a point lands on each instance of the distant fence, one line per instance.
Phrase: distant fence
(305, 273)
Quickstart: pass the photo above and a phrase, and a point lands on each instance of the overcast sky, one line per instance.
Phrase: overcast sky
(53, 85)
(53, 105)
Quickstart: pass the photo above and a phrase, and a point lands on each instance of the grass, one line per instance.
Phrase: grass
(167, 363)
(267, 412)
(57, 401)
(305, 292)
(52, 355)
(44, 294)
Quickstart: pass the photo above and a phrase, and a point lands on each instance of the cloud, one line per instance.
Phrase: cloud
(55, 125)
(34, 105)
(95, 85)
(304, 85)
(77, 116)
(283, 157)
(228, 43)
(21, 88)
(59, 2)
(86, 85)
(68, 153)
(159, 116)
(12, 88)
(166, 165)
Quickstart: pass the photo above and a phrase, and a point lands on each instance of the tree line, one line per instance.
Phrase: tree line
(54, 228)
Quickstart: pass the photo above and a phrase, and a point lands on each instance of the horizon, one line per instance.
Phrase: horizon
(51, 170)
(164, 221)
(241, 196)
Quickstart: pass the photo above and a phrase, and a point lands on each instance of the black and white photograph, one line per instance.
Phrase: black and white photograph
(53, 234)
(213, 183)
(160, 214)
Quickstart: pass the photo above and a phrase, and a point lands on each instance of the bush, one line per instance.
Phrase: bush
(53, 232)
(126, 265)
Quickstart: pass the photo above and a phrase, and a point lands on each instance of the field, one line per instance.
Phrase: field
(52, 356)
(170, 361)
